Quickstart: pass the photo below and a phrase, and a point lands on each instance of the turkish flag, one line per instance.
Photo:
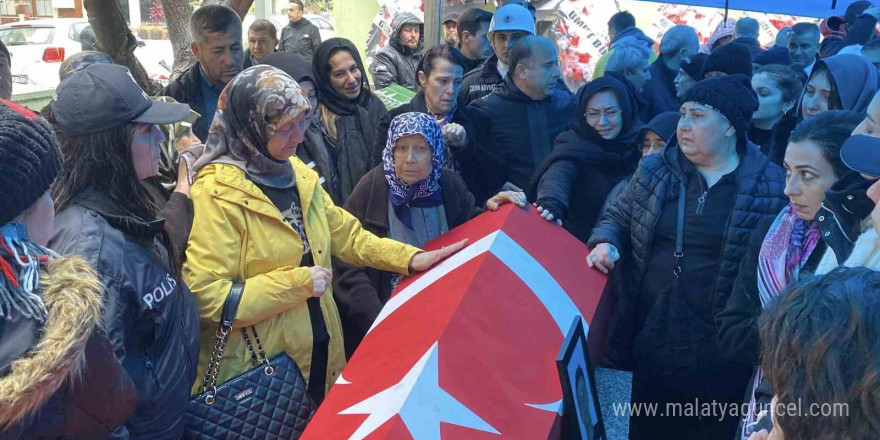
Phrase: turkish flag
(468, 349)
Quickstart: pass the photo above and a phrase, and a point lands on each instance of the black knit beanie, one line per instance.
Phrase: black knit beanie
(732, 96)
(731, 58)
(694, 66)
(29, 159)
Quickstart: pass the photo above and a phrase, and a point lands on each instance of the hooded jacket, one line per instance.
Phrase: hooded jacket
(361, 292)
(630, 35)
(478, 162)
(629, 225)
(62, 388)
(584, 167)
(300, 38)
(243, 237)
(356, 120)
(397, 63)
(854, 77)
(149, 314)
(523, 128)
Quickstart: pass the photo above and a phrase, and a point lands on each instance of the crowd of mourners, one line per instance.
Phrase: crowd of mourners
(729, 190)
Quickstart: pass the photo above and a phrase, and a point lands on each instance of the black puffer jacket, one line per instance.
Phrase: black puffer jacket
(149, 314)
(479, 163)
(396, 63)
(629, 226)
(524, 129)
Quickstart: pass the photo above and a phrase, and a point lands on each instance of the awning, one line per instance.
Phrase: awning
(802, 8)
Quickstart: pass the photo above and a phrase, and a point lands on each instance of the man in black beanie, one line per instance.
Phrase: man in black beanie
(689, 73)
(729, 59)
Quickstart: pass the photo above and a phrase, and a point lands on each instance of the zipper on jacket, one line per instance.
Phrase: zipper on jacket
(148, 362)
(702, 200)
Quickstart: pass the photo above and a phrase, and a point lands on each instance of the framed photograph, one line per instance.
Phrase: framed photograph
(581, 413)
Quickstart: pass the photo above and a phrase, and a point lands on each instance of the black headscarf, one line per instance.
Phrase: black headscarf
(631, 125)
(328, 96)
(583, 144)
(293, 65)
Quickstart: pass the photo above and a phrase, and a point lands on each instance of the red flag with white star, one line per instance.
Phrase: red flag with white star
(468, 349)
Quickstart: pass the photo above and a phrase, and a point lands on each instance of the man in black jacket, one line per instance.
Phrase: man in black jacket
(216, 32)
(528, 110)
(262, 41)
(861, 19)
(677, 45)
(473, 40)
(300, 36)
(746, 33)
(509, 24)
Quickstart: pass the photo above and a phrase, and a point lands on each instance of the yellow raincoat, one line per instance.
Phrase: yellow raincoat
(238, 234)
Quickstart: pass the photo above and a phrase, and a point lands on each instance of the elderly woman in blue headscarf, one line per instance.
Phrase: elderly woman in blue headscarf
(411, 197)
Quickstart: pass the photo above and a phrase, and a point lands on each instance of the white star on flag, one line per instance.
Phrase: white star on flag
(420, 402)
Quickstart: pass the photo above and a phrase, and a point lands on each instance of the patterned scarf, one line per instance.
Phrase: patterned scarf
(21, 261)
(249, 110)
(786, 249)
(425, 193)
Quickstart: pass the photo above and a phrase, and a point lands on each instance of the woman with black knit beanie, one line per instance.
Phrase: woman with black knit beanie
(58, 371)
(684, 223)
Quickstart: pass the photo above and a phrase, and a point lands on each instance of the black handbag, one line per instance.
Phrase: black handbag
(270, 401)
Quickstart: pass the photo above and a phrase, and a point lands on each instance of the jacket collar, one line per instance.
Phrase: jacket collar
(490, 68)
(234, 178)
(74, 297)
(509, 90)
(752, 161)
(98, 202)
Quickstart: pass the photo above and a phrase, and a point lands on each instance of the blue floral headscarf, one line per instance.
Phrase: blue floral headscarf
(425, 193)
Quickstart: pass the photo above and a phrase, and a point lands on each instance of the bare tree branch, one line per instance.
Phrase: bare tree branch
(115, 38)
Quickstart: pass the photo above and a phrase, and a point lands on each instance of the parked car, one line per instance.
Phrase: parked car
(325, 28)
(37, 48)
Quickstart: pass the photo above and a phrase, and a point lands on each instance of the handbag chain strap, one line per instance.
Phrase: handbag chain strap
(230, 307)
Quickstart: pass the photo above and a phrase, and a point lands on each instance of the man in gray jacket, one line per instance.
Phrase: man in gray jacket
(300, 36)
(397, 62)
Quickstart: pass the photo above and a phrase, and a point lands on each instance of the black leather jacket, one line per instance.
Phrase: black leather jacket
(149, 314)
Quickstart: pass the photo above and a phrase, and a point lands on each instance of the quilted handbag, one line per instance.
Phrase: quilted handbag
(270, 401)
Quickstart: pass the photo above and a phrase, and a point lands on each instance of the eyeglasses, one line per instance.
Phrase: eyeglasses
(652, 146)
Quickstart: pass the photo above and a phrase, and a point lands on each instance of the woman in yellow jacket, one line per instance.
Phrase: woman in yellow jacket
(262, 219)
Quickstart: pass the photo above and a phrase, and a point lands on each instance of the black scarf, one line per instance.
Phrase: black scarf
(328, 96)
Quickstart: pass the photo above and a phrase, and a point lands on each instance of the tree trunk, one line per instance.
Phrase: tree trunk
(115, 38)
(177, 14)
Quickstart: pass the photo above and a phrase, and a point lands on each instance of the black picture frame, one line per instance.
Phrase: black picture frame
(581, 413)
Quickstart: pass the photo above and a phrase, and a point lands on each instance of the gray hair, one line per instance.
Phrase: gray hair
(679, 37)
(213, 18)
(747, 27)
(628, 58)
